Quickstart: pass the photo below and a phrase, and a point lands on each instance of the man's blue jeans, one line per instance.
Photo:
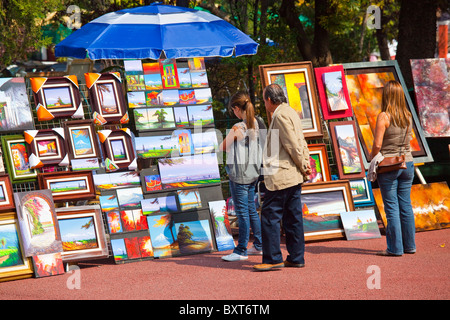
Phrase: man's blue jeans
(243, 196)
(395, 187)
(283, 205)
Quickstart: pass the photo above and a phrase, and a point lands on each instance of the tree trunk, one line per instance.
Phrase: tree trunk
(321, 48)
(416, 35)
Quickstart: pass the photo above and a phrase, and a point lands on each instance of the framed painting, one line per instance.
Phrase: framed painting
(57, 97)
(38, 222)
(82, 233)
(333, 93)
(107, 97)
(430, 202)
(82, 141)
(118, 149)
(17, 159)
(362, 192)
(347, 150)
(318, 160)
(67, 185)
(365, 82)
(14, 264)
(6, 193)
(297, 81)
(322, 203)
(15, 108)
(47, 147)
(431, 83)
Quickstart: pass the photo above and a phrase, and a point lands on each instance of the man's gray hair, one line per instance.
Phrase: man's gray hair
(275, 93)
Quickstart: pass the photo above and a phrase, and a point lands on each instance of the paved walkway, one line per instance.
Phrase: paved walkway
(335, 270)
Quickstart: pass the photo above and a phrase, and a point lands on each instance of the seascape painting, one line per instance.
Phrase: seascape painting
(136, 99)
(194, 236)
(189, 199)
(163, 234)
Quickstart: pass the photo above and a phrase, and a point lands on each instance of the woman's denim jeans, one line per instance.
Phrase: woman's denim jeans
(243, 196)
(395, 187)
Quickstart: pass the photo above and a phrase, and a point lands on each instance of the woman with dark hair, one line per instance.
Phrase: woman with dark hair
(244, 157)
(393, 133)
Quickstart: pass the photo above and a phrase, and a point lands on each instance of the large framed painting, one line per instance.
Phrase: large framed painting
(82, 140)
(322, 203)
(38, 222)
(118, 149)
(333, 92)
(430, 202)
(15, 108)
(365, 82)
(297, 81)
(347, 151)
(431, 86)
(14, 264)
(107, 97)
(67, 185)
(47, 147)
(318, 160)
(57, 97)
(82, 233)
(17, 159)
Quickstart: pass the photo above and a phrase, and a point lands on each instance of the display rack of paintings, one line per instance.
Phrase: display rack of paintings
(47, 147)
(82, 233)
(17, 159)
(13, 262)
(118, 149)
(15, 108)
(297, 81)
(322, 203)
(333, 93)
(318, 160)
(365, 82)
(431, 83)
(107, 98)
(67, 185)
(347, 150)
(57, 97)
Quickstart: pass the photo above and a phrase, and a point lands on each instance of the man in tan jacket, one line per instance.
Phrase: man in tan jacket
(285, 167)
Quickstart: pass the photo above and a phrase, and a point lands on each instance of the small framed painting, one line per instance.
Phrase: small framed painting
(297, 81)
(318, 160)
(82, 233)
(118, 149)
(67, 185)
(333, 92)
(57, 97)
(17, 159)
(81, 139)
(107, 96)
(347, 151)
(6, 193)
(13, 263)
(362, 192)
(47, 147)
(322, 203)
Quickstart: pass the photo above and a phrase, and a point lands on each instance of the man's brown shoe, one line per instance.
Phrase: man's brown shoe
(289, 264)
(267, 266)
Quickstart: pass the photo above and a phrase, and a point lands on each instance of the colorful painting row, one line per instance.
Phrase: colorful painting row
(165, 74)
(156, 98)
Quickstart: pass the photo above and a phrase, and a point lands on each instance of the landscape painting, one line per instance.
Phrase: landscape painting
(194, 236)
(10, 249)
(187, 96)
(199, 79)
(189, 171)
(82, 142)
(360, 224)
(155, 146)
(184, 76)
(200, 115)
(205, 142)
(78, 233)
(181, 117)
(58, 97)
(189, 199)
(222, 228)
(129, 197)
(154, 98)
(62, 186)
(159, 205)
(163, 234)
(136, 99)
(335, 91)
(203, 95)
(46, 265)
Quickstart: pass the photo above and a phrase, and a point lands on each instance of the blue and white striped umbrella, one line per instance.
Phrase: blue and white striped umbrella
(149, 31)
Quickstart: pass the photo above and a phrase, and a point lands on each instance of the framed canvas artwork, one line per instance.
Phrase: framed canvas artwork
(15, 108)
(107, 97)
(322, 204)
(6, 193)
(347, 151)
(365, 82)
(57, 97)
(47, 147)
(318, 160)
(297, 81)
(361, 224)
(118, 149)
(333, 93)
(17, 159)
(14, 264)
(82, 233)
(362, 192)
(68, 186)
(38, 222)
(81, 139)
